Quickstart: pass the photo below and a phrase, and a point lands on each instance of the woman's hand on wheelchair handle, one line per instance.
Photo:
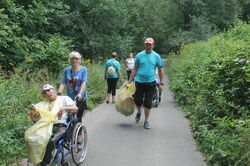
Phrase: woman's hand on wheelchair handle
(79, 97)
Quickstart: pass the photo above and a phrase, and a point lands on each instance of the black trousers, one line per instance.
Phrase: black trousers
(112, 85)
(57, 132)
(128, 73)
(82, 106)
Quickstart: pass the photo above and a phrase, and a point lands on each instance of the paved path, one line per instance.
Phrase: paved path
(116, 140)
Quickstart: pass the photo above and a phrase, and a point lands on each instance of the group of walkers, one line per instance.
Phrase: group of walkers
(141, 70)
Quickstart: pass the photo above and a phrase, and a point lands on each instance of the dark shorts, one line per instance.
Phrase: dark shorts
(144, 94)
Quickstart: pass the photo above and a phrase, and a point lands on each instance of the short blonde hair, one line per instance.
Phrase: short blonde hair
(75, 54)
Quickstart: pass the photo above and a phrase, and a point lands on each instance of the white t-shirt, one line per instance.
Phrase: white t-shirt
(66, 101)
(130, 63)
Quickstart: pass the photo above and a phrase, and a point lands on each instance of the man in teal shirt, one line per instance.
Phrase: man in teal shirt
(144, 71)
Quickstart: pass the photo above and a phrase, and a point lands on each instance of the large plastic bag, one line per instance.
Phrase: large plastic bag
(124, 100)
(38, 135)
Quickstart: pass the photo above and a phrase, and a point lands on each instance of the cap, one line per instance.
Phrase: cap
(47, 87)
(150, 40)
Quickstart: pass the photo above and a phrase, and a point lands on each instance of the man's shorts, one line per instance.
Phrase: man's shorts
(144, 94)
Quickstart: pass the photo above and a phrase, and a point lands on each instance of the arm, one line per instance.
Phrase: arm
(105, 74)
(119, 74)
(61, 88)
(133, 73)
(118, 69)
(72, 107)
(34, 116)
(161, 75)
(63, 83)
(79, 95)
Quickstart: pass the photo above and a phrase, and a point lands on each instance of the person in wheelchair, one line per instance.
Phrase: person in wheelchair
(59, 127)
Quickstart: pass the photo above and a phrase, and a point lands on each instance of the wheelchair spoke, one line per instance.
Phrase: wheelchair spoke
(79, 143)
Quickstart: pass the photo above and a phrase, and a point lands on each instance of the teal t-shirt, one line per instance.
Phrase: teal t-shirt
(147, 64)
(115, 64)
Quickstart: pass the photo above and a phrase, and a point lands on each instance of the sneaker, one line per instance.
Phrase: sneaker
(137, 117)
(146, 125)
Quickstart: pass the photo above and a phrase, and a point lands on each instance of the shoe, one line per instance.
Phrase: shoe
(159, 98)
(137, 117)
(146, 125)
(107, 101)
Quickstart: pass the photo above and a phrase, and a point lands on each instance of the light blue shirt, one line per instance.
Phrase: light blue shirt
(147, 64)
(74, 80)
(115, 64)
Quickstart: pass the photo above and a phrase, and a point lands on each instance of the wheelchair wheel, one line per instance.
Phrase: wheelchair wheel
(79, 143)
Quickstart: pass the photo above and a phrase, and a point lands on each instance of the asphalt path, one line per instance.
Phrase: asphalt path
(116, 140)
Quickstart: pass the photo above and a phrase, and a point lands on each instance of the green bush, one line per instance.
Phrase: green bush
(211, 81)
(16, 94)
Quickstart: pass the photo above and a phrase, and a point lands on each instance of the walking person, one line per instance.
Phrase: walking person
(130, 63)
(112, 74)
(146, 63)
(75, 78)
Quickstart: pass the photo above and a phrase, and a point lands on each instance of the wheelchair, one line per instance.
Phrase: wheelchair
(73, 142)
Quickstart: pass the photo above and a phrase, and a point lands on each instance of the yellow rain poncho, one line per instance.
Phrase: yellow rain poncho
(124, 100)
(38, 135)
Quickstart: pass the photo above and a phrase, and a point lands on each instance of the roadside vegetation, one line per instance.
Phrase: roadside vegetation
(36, 37)
(211, 81)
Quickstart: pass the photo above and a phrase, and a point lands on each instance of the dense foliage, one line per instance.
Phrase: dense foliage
(36, 36)
(40, 33)
(211, 80)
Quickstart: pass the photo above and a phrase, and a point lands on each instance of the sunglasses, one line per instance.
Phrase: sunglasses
(74, 58)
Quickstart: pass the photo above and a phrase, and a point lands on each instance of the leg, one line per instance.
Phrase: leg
(57, 133)
(148, 103)
(128, 73)
(82, 105)
(114, 83)
(48, 154)
(138, 96)
(147, 113)
(109, 82)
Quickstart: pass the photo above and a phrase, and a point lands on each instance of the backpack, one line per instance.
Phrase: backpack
(111, 70)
